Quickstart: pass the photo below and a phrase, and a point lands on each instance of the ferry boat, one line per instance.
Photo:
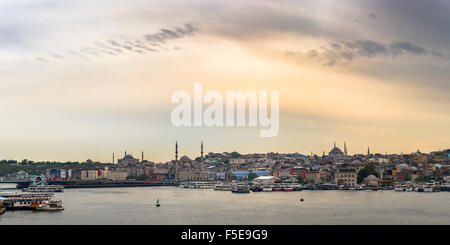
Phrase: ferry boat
(445, 187)
(400, 188)
(51, 205)
(288, 189)
(257, 189)
(17, 201)
(222, 188)
(240, 188)
(360, 188)
(429, 188)
(44, 188)
(267, 189)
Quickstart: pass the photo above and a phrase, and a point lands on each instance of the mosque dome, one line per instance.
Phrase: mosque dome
(185, 159)
(371, 177)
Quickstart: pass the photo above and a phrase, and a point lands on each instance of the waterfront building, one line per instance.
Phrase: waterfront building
(346, 177)
(105, 174)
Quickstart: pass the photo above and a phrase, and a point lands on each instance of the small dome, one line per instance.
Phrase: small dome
(413, 169)
(371, 177)
(403, 166)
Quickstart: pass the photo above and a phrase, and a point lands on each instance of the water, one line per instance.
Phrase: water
(198, 207)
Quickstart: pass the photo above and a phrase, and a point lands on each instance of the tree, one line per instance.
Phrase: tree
(235, 154)
(300, 179)
(408, 177)
(142, 177)
(367, 170)
(252, 176)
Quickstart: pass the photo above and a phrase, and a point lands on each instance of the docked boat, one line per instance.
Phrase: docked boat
(400, 188)
(240, 188)
(44, 188)
(51, 205)
(222, 188)
(18, 201)
(267, 189)
(360, 188)
(445, 187)
(257, 189)
(288, 189)
(428, 188)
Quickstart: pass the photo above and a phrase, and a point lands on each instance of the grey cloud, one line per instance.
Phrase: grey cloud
(41, 59)
(166, 34)
(342, 52)
(56, 56)
(77, 54)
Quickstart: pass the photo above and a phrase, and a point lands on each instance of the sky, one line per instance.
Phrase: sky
(82, 79)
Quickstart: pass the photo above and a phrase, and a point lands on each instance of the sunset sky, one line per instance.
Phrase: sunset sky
(81, 79)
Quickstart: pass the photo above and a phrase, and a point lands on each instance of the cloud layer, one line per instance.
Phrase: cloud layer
(344, 52)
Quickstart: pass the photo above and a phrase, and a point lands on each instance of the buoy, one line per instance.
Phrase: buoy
(301, 199)
(157, 203)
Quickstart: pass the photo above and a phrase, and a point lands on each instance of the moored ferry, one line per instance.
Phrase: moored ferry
(240, 188)
(44, 188)
(18, 201)
(222, 188)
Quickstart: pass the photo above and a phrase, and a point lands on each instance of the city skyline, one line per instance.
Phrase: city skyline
(84, 79)
(115, 156)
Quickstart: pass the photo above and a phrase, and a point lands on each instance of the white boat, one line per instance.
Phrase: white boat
(222, 188)
(14, 201)
(44, 188)
(400, 188)
(267, 189)
(51, 205)
(428, 188)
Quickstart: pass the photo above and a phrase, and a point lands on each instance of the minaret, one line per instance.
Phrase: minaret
(201, 155)
(368, 151)
(335, 144)
(125, 153)
(176, 151)
(113, 158)
(345, 149)
(142, 156)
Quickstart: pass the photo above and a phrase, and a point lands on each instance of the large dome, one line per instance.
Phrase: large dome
(336, 151)
(403, 166)
(185, 159)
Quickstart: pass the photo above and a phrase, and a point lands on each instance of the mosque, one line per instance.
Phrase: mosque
(337, 153)
(190, 170)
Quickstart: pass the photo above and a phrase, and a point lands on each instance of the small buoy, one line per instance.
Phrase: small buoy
(301, 199)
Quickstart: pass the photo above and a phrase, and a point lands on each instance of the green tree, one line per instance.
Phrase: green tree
(300, 179)
(142, 177)
(367, 170)
(235, 154)
(252, 176)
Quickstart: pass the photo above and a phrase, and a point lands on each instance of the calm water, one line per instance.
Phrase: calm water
(189, 206)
